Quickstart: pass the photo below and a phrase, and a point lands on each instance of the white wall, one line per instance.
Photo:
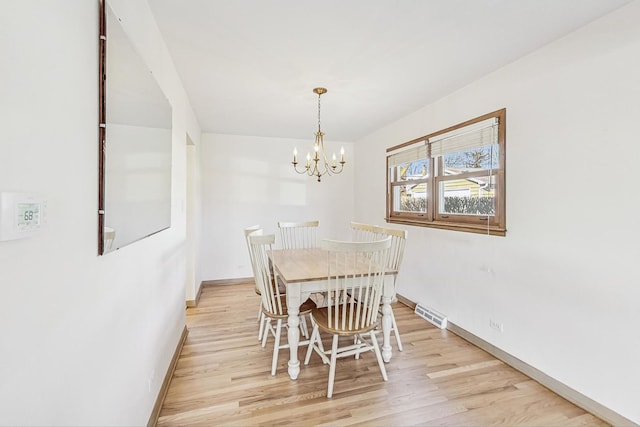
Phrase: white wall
(84, 340)
(250, 180)
(564, 281)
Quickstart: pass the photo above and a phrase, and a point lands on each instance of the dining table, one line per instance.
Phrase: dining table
(303, 272)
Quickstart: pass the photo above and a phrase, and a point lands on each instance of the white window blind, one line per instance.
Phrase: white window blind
(477, 135)
(418, 151)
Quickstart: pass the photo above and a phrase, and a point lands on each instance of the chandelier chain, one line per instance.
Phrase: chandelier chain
(319, 95)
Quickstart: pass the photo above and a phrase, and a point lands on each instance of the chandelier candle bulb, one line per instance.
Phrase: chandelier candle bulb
(341, 155)
(295, 155)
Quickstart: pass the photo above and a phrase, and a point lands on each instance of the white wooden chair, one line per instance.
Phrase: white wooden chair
(366, 233)
(396, 252)
(355, 282)
(256, 230)
(274, 303)
(299, 235)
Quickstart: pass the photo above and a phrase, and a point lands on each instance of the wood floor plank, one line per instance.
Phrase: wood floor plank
(223, 378)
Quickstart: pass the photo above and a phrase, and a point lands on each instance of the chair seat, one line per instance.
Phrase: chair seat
(321, 318)
(305, 308)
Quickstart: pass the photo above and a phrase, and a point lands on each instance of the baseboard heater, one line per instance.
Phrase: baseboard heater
(432, 316)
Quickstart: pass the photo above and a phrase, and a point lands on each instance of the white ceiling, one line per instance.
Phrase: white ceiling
(249, 66)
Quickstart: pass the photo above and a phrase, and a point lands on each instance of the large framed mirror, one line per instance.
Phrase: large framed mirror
(134, 195)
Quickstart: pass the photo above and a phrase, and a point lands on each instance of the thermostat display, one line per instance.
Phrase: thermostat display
(21, 215)
(28, 215)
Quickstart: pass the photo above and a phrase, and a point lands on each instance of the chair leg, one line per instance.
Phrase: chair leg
(394, 326)
(303, 327)
(332, 366)
(314, 335)
(276, 348)
(320, 345)
(265, 333)
(376, 349)
(260, 311)
(261, 326)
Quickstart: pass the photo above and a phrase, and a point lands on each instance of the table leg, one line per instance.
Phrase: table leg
(293, 305)
(386, 329)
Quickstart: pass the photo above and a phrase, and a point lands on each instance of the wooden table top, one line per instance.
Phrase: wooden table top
(304, 265)
(300, 265)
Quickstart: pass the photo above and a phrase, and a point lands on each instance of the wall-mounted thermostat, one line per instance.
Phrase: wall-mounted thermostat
(21, 215)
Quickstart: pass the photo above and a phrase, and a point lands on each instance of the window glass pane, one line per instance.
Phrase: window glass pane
(410, 198)
(481, 158)
(418, 169)
(472, 196)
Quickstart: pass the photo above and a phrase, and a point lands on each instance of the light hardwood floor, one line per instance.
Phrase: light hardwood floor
(222, 378)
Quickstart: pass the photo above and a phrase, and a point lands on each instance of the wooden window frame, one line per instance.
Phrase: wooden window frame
(493, 225)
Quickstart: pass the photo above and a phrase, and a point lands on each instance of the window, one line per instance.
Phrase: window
(452, 179)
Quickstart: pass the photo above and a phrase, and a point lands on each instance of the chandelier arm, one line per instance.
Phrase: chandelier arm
(305, 170)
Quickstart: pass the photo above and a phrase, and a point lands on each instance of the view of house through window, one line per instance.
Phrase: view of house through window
(452, 179)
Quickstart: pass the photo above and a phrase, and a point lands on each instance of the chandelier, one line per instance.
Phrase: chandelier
(319, 165)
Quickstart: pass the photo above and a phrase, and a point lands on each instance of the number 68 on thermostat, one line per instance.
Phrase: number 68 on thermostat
(21, 215)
